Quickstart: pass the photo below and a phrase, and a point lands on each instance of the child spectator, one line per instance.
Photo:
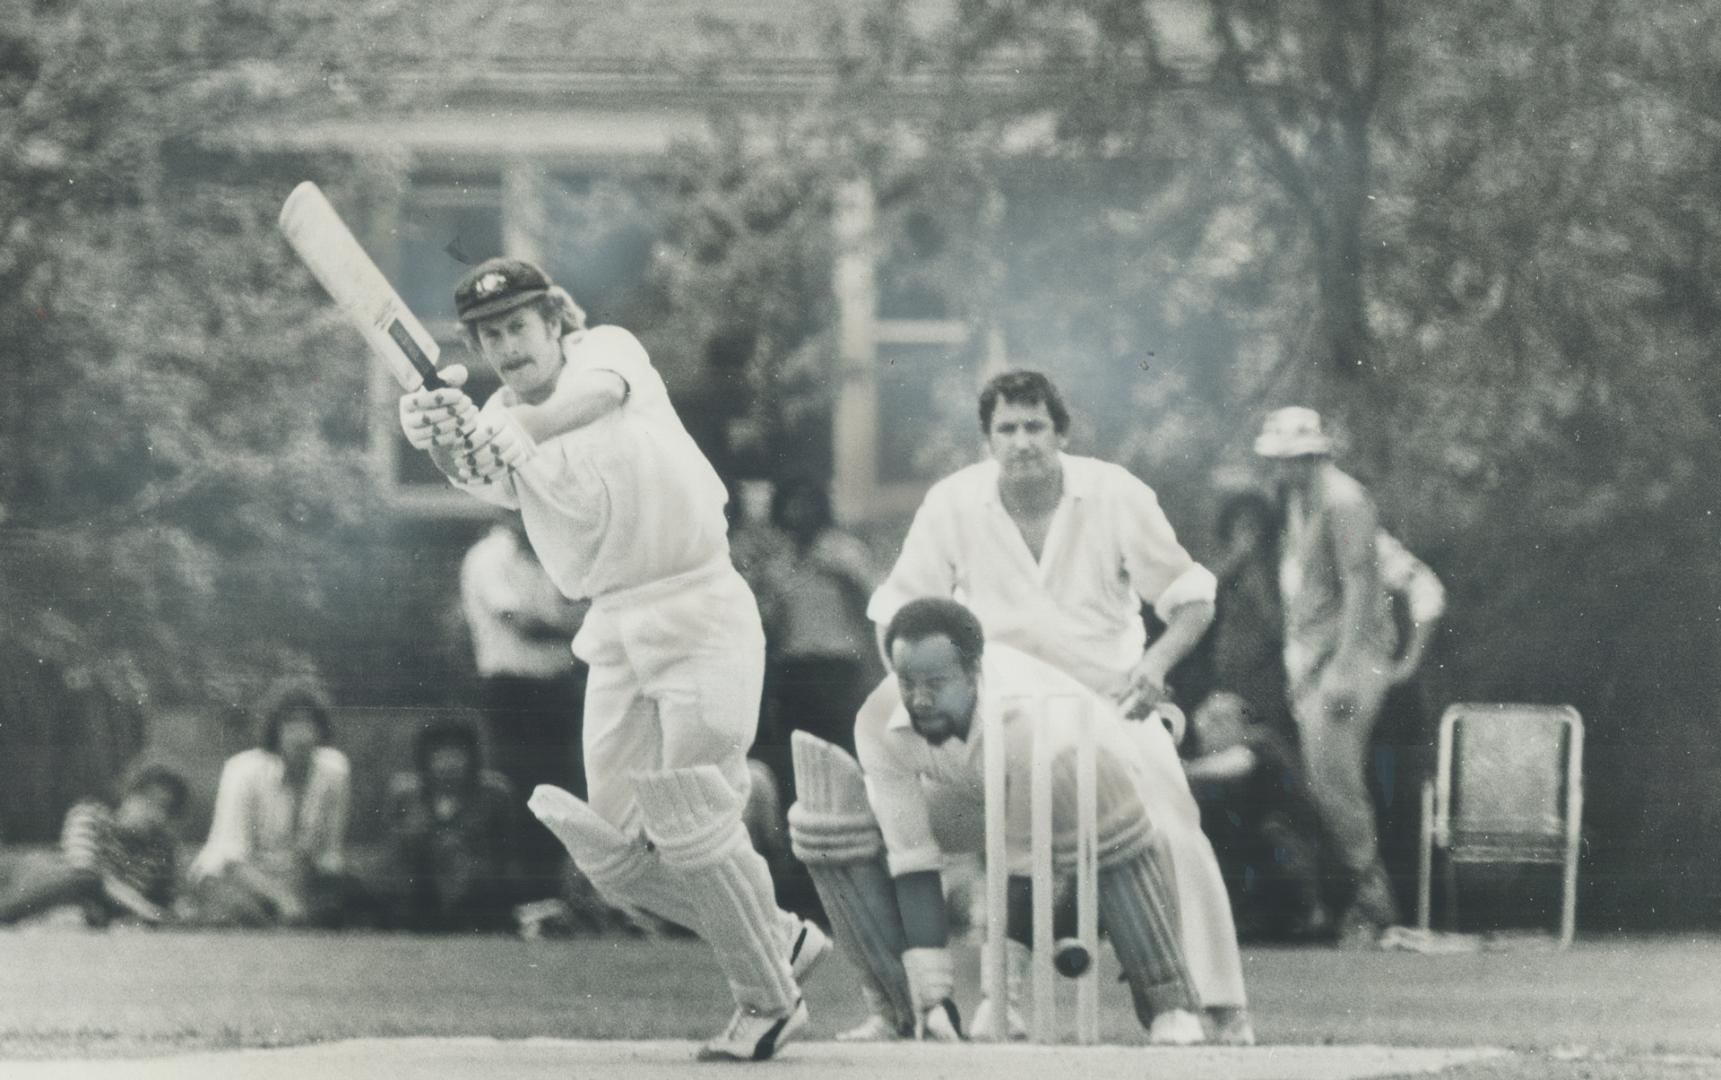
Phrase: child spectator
(113, 862)
(452, 832)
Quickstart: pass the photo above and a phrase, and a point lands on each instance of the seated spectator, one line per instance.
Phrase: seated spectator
(1256, 810)
(276, 848)
(113, 862)
(452, 830)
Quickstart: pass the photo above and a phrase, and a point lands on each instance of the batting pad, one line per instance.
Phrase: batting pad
(693, 817)
(833, 832)
(1138, 909)
(624, 871)
(1123, 831)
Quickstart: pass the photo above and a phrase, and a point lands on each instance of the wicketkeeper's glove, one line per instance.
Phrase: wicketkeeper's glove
(931, 981)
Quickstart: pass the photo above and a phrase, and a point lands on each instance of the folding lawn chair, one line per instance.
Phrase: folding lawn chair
(1507, 788)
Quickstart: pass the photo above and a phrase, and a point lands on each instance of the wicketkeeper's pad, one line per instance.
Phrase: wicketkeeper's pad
(833, 831)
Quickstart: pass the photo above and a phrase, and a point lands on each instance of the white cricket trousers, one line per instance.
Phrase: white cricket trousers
(677, 667)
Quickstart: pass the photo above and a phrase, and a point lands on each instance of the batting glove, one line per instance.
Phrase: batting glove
(497, 444)
(442, 417)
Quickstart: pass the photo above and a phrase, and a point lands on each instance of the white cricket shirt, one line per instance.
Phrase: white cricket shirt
(899, 764)
(626, 500)
(1078, 608)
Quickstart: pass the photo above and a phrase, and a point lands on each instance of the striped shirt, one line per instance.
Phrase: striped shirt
(146, 861)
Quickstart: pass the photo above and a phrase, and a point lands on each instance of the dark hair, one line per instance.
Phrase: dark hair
(1249, 503)
(933, 615)
(808, 487)
(455, 733)
(1022, 387)
(288, 697)
(151, 774)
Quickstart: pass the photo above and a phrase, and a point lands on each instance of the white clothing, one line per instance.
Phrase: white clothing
(677, 667)
(627, 511)
(1109, 548)
(1408, 576)
(625, 500)
(501, 586)
(256, 820)
(900, 766)
(930, 801)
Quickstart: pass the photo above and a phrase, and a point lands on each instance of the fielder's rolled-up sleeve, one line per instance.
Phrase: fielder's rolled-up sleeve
(1160, 570)
(1196, 585)
(927, 564)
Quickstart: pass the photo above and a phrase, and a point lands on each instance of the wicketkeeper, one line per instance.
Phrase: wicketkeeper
(875, 834)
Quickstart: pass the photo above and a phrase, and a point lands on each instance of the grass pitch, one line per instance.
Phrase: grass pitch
(1634, 1008)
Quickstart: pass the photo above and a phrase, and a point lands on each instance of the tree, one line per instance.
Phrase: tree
(179, 520)
(1479, 236)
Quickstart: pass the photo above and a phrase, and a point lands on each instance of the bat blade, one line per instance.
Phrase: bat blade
(339, 263)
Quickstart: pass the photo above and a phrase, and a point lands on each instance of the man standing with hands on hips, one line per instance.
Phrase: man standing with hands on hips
(622, 508)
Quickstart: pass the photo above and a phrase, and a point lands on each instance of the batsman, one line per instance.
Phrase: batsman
(875, 833)
(622, 508)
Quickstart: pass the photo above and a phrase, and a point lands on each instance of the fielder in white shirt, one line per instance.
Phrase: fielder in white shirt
(622, 508)
(1056, 553)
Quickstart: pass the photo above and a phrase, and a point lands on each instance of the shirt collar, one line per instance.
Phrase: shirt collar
(1078, 481)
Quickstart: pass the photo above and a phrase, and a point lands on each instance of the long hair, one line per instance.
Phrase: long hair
(289, 697)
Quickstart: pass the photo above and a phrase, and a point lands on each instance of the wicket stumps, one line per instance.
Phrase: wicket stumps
(1063, 714)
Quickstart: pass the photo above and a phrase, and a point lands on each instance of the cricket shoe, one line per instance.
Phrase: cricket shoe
(754, 1037)
(1176, 1027)
(811, 945)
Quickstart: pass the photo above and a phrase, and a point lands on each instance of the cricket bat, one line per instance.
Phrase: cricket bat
(335, 258)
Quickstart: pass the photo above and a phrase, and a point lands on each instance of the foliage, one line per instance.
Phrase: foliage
(177, 520)
(1480, 237)
(743, 268)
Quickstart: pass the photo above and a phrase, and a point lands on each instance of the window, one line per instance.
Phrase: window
(597, 241)
(442, 226)
(910, 369)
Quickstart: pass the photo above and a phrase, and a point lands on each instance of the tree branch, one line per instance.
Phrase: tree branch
(1282, 163)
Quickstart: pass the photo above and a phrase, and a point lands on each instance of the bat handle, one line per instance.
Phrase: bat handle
(433, 381)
